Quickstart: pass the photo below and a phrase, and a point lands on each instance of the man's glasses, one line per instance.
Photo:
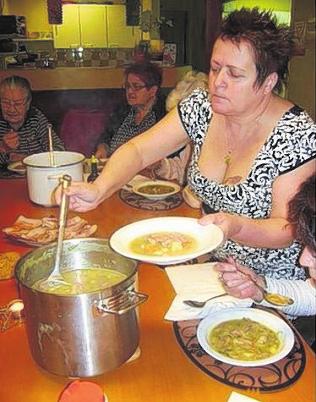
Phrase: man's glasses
(16, 104)
(133, 87)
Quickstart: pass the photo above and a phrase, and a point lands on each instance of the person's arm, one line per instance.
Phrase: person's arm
(240, 281)
(272, 232)
(132, 157)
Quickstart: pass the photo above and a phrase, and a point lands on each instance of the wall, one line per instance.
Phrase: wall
(301, 88)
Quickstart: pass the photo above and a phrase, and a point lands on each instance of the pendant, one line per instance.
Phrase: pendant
(227, 158)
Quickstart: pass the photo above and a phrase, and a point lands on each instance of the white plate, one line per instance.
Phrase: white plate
(263, 317)
(175, 189)
(208, 237)
(17, 167)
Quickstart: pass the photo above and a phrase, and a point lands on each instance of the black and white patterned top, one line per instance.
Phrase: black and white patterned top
(33, 135)
(291, 144)
(129, 129)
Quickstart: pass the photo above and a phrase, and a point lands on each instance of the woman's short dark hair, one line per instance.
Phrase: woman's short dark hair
(16, 81)
(148, 72)
(302, 213)
(272, 43)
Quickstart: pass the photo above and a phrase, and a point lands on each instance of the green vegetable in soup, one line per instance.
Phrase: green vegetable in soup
(244, 339)
(81, 281)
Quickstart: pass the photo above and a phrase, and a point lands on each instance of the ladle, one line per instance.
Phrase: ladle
(50, 145)
(55, 275)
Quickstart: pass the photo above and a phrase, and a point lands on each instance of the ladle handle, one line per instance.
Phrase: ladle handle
(65, 181)
(50, 145)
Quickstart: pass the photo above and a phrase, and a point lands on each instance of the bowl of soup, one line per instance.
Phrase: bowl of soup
(246, 337)
(85, 325)
(156, 189)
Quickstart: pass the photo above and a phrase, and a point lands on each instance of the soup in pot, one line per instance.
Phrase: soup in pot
(80, 281)
(164, 244)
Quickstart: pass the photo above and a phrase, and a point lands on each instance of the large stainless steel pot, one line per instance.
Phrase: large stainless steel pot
(80, 335)
(42, 178)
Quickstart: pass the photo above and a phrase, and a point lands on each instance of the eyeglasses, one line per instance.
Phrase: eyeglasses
(16, 104)
(133, 87)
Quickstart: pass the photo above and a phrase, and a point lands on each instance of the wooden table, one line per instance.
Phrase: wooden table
(162, 373)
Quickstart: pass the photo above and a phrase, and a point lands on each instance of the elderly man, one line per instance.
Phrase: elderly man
(23, 128)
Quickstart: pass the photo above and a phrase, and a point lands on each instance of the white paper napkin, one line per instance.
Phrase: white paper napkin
(236, 397)
(135, 180)
(198, 282)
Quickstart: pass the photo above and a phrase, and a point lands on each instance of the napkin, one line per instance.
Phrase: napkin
(135, 180)
(198, 282)
(236, 397)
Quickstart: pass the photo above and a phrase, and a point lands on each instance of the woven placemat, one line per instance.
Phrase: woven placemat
(267, 378)
(137, 201)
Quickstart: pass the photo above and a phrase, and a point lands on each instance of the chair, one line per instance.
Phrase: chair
(81, 128)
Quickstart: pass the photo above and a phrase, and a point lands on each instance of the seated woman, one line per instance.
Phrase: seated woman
(143, 108)
(251, 151)
(23, 128)
(240, 281)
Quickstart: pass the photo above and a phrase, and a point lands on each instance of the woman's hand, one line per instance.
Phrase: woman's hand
(239, 281)
(101, 152)
(82, 196)
(229, 223)
(11, 140)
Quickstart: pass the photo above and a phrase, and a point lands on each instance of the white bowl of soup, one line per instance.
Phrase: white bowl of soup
(156, 189)
(246, 337)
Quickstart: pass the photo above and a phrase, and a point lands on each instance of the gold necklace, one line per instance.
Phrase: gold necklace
(228, 157)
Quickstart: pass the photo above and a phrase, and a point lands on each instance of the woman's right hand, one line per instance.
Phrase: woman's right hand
(101, 152)
(82, 196)
(11, 140)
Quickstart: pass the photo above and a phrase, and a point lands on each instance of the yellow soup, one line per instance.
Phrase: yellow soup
(244, 339)
(163, 244)
(81, 281)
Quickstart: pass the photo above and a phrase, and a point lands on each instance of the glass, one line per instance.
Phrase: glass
(133, 87)
(16, 103)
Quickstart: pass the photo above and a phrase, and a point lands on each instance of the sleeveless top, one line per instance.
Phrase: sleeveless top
(291, 144)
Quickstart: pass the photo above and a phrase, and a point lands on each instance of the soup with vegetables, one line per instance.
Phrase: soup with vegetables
(154, 189)
(163, 244)
(244, 339)
(81, 281)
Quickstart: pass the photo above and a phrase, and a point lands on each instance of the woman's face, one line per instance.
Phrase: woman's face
(308, 260)
(232, 79)
(137, 94)
(14, 105)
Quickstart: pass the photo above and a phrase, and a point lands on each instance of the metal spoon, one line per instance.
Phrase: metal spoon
(200, 304)
(274, 298)
(55, 276)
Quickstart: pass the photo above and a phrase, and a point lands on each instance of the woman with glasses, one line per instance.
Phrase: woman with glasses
(23, 128)
(143, 107)
(252, 148)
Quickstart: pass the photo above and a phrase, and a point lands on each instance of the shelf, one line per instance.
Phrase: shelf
(33, 40)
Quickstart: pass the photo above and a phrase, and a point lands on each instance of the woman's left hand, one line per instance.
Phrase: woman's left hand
(229, 223)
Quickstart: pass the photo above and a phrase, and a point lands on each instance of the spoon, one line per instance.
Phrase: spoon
(200, 304)
(55, 275)
(274, 298)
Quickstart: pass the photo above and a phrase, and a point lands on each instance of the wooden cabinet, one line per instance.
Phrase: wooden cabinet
(95, 26)
(83, 25)
(119, 34)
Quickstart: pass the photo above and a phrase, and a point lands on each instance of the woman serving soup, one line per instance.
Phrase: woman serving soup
(251, 148)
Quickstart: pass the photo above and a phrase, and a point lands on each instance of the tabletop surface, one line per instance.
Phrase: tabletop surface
(162, 372)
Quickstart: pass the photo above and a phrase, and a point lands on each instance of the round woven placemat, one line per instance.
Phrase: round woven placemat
(267, 378)
(137, 201)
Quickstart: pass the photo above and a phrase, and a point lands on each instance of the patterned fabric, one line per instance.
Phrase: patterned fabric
(33, 135)
(129, 129)
(291, 144)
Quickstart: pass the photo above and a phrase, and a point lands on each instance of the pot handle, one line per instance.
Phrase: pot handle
(121, 303)
(55, 176)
